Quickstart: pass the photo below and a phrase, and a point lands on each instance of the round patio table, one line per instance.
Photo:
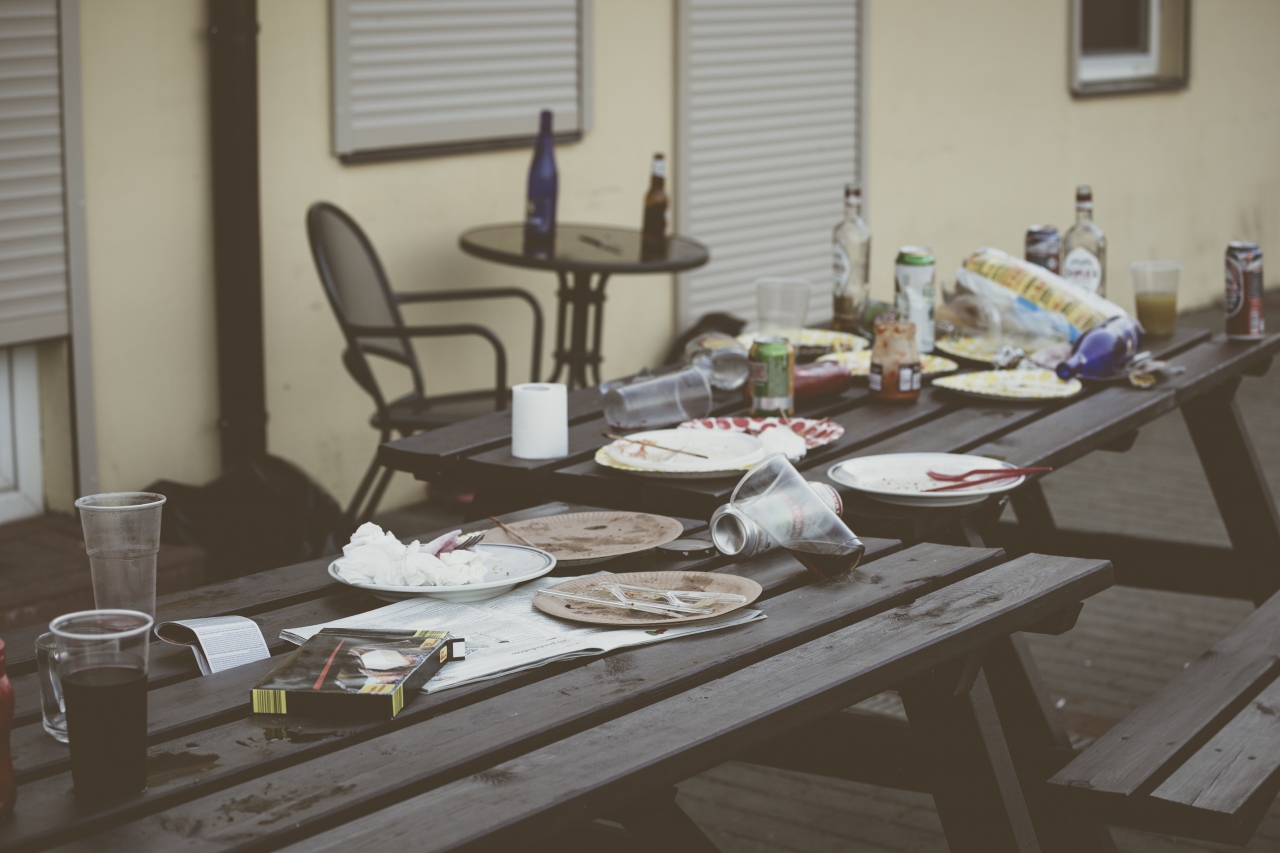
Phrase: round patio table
(583, 252)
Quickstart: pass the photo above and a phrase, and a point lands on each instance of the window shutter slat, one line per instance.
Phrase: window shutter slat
(33, 247)
(767, 135)
(417, 73)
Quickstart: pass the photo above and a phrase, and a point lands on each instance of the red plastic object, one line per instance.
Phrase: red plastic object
(8, 788)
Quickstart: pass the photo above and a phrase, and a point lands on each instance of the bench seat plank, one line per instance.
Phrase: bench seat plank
(1148, 746)
(1236, 775)
(584, 775)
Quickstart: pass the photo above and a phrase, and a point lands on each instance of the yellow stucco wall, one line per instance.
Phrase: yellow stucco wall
(973, 135)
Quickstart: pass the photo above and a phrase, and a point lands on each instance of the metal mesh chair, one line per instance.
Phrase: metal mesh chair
(368, 311)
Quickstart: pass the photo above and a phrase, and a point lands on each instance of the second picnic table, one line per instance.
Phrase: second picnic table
(477, 454)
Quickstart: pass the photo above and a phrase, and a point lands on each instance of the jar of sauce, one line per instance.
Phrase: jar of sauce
(895, 362)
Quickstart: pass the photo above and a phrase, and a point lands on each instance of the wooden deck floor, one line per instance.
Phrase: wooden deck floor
(1127, 643)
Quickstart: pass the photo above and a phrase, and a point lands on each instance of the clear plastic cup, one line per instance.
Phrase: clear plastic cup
(782, 304)
(53, 709)
(1155, 294)
(660, 401)
(122, 536)
(721, 357)
(102, 664)
(785, 506)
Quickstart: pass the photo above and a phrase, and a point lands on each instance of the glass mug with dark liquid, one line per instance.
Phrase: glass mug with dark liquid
(102, 662)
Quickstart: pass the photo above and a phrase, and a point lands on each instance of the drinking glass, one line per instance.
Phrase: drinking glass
(660, 401)
(53, 710)
(721, 357)
(1155, 291)
(122, 536)
(782, 304)
(102, 661)
(785, 506)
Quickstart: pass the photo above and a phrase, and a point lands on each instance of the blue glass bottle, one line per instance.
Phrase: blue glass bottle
(544, 187)
(1104, 351)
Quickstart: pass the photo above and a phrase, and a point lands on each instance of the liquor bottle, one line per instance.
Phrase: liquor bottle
(1084, 248)
(653, 234)
(850, 263)
(540, 211)
(8, 790)
(1104, 351)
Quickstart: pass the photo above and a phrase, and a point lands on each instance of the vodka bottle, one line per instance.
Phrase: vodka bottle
(544, 185)
(850, 263)
(1084, 247)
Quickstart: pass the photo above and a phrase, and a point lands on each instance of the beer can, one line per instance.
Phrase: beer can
(913, 283)
(736, 535)
(1044, 247)
(773, 376)
(1244, 291)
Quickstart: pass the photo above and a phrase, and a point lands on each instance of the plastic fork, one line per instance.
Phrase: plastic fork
(1002, 472)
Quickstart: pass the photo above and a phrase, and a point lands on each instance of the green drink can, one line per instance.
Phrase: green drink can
(773, 374)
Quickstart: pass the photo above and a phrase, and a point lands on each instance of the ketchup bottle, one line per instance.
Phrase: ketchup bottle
(8, 789)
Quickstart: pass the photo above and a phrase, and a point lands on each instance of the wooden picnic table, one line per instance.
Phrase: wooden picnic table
(540, 754)
(1106, 416)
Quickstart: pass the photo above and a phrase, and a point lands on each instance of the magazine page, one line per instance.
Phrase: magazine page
(219, 642)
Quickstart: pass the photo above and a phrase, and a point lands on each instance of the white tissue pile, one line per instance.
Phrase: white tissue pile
(378, 557)
(782, 439)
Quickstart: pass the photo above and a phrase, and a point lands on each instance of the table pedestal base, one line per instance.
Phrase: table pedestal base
(577, 304)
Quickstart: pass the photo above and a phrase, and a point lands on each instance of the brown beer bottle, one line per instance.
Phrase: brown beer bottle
(653, 236)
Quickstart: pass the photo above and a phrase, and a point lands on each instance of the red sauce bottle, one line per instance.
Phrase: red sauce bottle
(8, 789)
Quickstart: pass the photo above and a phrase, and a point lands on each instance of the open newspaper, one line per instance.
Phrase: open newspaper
(508, 634)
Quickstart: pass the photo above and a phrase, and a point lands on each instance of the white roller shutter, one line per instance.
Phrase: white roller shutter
(767, 132)
(411, 74)
(33, 246)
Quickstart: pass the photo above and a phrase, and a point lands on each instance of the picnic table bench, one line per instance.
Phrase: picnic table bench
(539, 754)
(1103, 417)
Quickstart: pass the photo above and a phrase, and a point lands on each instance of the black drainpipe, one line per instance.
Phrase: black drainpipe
(237, 228)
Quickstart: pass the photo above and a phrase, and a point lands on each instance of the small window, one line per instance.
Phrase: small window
(1129, 45)
(414, 78)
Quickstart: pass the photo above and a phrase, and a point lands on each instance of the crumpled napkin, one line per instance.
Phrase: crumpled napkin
(783, 439)
(377, 556)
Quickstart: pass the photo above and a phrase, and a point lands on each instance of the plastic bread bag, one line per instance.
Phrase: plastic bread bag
(985, 310)
(1036, 286)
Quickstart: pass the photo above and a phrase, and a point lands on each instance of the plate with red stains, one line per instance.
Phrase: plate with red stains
(815, 433)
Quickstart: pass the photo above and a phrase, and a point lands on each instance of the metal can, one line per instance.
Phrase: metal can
(736, 535)
(913, 283)
(773, 377)
(1044, 247)
(1244, 291)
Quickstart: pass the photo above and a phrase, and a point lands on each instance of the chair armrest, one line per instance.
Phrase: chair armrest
(535, 369)
(455, 329)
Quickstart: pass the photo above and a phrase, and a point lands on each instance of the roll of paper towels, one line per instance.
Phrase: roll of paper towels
(539, 421)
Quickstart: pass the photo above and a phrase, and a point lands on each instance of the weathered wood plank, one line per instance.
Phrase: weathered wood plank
(496, 728)
(1143, 749)
(1236, 775)
(541, 792)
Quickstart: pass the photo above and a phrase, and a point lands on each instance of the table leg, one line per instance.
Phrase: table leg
(1244, 500)
(975, 787)
(563, 295)
(1039, 747)
(659, 824)
(1035, 518)
(597, 337)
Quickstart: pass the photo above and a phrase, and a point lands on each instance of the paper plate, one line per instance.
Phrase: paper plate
(511, 565)
(814, 432)
(728, 454)
(1026, 385)
(577, 611)
(578, 538)
(813, 339)
(972, 349)
(859, 363)
(900, 478)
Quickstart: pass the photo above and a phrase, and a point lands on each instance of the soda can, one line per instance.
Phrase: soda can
(1044, 247)
(773, 377)
(736, 535)
(1244, 291)
(913, 282)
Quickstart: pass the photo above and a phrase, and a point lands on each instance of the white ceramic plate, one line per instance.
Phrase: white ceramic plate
(727, 453)
(900, 478)
(510, 566)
